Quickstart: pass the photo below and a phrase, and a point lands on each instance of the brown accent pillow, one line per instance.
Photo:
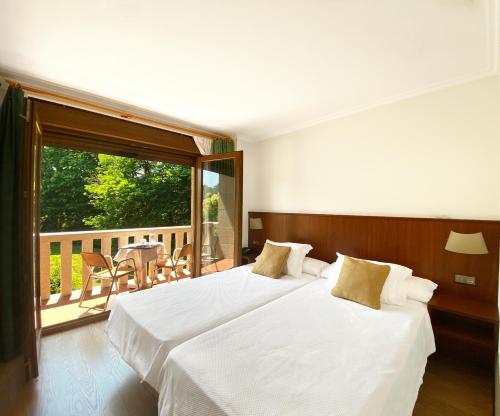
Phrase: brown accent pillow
(271, 261)
(361, 281)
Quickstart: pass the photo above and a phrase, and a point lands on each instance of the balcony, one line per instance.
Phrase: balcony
(62, 304)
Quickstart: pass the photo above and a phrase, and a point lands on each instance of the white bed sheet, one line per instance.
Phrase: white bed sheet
(144, 326)
(306, 353)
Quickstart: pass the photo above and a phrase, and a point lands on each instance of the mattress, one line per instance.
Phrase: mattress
(144, 326)
(307, 353)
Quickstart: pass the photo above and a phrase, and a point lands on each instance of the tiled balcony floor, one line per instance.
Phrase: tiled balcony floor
(65, 308)
(59, 308)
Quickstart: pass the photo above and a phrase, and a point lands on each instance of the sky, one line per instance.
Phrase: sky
(210, 178)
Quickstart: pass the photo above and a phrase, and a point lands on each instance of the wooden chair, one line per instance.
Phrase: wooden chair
(106, 271)
(180, 259)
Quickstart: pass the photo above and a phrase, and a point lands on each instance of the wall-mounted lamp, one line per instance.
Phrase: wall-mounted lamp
(466, 244)
(256, 224)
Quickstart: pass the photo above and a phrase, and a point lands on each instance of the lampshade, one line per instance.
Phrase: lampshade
(466, 243)
(256, 224)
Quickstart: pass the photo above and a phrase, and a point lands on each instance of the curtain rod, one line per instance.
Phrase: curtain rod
(121, 114)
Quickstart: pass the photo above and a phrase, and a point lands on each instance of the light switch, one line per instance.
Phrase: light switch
(465, 280)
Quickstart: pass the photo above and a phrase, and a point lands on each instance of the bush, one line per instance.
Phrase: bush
(55, 272)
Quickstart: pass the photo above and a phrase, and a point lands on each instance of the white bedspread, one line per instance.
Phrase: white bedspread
(144, 326)
(306, 353)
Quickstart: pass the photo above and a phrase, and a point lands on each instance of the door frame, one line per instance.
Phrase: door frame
(197, 210)
(55, 127)
(30, 228)
(58, 125)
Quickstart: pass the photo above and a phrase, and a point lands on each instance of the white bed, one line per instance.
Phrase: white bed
(306, 353)
(144, 326)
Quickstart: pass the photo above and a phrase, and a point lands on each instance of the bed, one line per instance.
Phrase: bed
(144, 326)
(306, 353)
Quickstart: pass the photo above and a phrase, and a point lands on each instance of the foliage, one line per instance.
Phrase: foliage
(210, 207)
(84, 190)
(64, 203)
(133, 193)
(55, 272)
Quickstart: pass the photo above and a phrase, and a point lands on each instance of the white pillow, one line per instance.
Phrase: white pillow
(314, 266)
(326, 272)
(296, 257)
(394, 290)
(420, 289)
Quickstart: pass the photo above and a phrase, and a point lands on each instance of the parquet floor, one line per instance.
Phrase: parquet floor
(81, 374)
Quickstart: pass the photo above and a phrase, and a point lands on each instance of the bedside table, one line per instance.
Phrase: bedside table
(248, 257)
(465, 328)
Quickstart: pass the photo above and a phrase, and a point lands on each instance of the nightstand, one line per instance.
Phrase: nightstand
(248, 257)
(465, 328)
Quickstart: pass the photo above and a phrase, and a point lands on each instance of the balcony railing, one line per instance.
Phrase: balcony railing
(170, 236)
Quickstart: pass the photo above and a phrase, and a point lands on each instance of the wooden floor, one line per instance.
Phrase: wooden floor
(453, 388)
(81, 374)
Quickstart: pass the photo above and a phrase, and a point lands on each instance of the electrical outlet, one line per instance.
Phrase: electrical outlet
(465, 280)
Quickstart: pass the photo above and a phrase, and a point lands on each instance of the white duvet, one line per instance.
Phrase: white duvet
(307, 353)
(144, 326)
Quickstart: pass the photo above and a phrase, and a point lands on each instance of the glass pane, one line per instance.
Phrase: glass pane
(137, 198)
(218, 214)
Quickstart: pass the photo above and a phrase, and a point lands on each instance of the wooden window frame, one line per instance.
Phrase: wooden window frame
(64, 126)
(58, 125)
(78, 129)
(197, 201)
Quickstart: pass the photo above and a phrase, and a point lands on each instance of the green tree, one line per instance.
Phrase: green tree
(64, 203)
(133, 193)
(211, 207)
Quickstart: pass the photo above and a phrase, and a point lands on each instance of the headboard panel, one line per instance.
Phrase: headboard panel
(414, 242)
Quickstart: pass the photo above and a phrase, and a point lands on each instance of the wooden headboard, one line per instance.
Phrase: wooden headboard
(414, 242)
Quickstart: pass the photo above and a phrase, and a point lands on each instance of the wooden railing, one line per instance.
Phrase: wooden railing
(66, 239)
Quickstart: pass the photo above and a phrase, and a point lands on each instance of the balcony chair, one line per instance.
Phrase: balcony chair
(106, 271)
(180, 260)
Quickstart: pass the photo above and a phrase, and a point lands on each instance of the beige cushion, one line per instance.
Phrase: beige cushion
(361, 281)
(271, 261)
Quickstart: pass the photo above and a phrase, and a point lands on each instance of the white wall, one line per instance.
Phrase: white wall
(497, 366)
(436, 155)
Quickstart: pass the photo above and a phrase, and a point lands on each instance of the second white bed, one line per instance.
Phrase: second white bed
(144, 326)
(307, 353)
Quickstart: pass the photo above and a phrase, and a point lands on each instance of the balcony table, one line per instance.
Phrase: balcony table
(142, 256)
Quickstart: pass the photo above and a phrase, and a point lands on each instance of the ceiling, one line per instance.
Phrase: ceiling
(256, 68)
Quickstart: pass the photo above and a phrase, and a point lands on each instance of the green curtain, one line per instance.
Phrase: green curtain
(11, 144)
(222, 146)
(223, 167)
